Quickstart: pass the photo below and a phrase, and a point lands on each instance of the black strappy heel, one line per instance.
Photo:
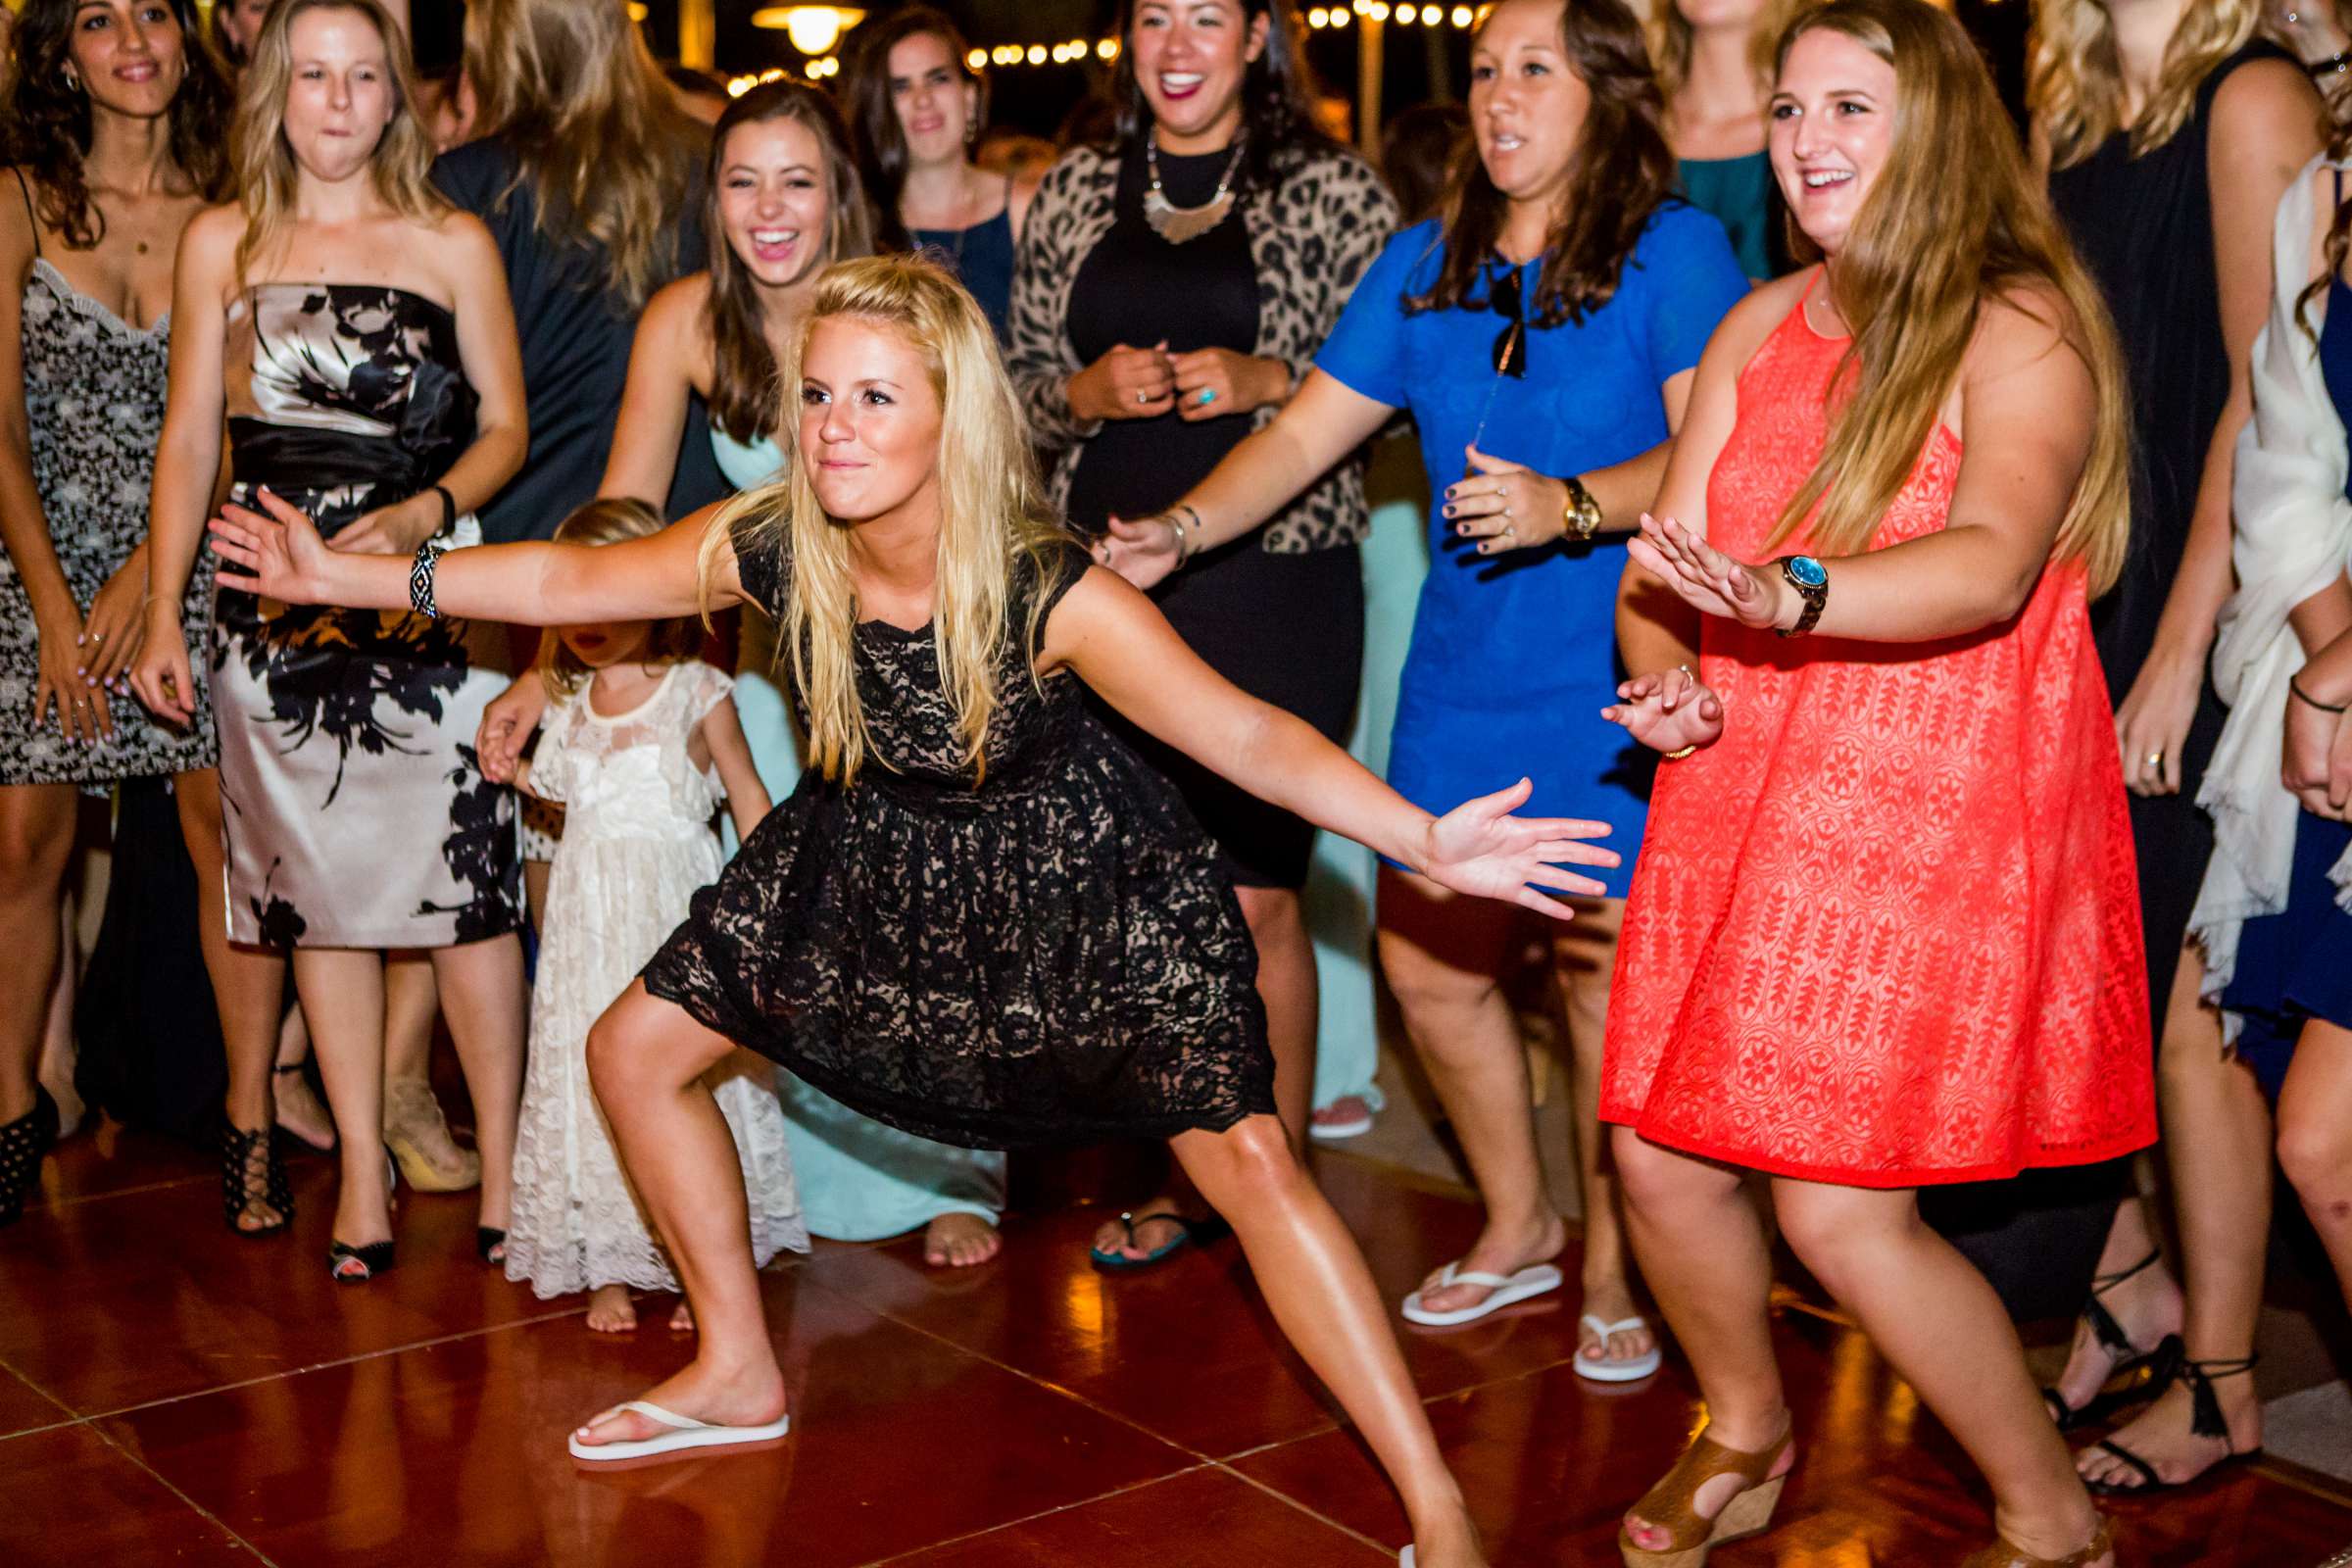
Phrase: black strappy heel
(22, 1143)
(2205, 1420)
(237, 1150)
(376, 1258)
(2136, 1375)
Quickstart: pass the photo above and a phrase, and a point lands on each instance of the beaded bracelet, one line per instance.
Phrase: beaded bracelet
(420, 581)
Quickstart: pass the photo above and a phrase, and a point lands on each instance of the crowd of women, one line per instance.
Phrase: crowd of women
(1933, 586)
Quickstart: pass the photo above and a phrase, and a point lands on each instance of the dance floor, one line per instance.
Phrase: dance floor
(171, 1394)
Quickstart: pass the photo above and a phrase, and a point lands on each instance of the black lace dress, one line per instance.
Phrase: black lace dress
(1054, 955)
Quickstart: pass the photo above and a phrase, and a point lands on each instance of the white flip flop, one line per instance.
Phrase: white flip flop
(684, 1433)
(1503, 1290)
(1602, 1371)
(1405, 1558)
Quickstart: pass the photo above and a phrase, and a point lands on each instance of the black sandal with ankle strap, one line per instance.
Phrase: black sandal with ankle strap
(237, 1150)
(22, 1143)
(2205, 1420)
(2136, 1374)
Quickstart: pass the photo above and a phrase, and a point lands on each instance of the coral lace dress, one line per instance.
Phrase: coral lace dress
(1885, 931)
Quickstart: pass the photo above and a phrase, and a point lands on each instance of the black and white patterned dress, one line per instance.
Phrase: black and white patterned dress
(1050, 955)
(94, 404)
(356, 809)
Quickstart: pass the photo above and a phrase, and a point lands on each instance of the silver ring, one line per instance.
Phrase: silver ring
(1510, 532)
(1142, 397)
(2155, 759)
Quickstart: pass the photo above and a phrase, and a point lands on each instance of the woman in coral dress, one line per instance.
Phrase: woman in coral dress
(1883, 932)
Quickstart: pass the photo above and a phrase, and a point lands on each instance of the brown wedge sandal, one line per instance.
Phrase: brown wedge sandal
(1670, 1505)
(2001, 1554)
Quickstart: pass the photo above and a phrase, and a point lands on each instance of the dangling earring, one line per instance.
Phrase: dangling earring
(72, 80)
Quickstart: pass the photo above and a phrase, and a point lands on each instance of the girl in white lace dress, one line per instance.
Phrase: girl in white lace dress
(641, 743)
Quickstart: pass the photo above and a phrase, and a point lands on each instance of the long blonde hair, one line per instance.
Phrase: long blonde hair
(1669, 35)
(994, 530)
(2074, 79)
(608, 149)
(1925, 252)
(401, 164)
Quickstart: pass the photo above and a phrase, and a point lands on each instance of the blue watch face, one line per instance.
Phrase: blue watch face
(1806, 572)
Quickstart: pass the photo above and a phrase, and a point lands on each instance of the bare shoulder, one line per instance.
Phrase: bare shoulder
(17, 238)
(1017, 198)
(2027, 327)
(208, 247)
(2267, 108)
(676, 303)
(1747, 324)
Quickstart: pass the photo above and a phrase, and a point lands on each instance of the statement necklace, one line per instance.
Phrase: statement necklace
(1177, 224)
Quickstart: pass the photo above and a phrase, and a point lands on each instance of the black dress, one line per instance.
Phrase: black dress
(1050, 955)
(2145, 226)
(1288, 628)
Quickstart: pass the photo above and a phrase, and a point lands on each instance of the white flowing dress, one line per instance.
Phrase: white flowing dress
(637, 845)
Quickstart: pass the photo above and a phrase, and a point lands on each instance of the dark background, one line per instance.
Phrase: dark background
(1421, 62)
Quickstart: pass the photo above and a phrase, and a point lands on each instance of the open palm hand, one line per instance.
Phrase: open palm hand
(1481, 848)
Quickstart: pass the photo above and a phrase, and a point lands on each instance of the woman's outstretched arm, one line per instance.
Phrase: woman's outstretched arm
(276, 553)
(1116, 641)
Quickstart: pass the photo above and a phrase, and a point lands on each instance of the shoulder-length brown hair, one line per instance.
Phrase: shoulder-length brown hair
(873, 113)
(744, 391)
(595, 132)
(1926, 253)
(403, 161)
(45, 125)
(1621, 175)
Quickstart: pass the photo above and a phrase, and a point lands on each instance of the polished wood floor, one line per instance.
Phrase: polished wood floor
(169, 1393)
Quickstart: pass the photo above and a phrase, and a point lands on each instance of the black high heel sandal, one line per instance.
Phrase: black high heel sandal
(2205, 1420)
(237, 1150)
(376, 1258)
(22, 1143)
(2136, 1375)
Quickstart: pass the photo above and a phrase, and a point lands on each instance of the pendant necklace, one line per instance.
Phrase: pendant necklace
(1177, 224)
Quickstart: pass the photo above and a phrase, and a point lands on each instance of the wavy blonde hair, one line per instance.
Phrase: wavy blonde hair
(1669, 35)
(995, 528)
(608, 149)
(2074, 81)
(1925, 252)
(403, 159)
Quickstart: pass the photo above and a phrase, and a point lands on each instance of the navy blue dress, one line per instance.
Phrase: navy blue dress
(2296, 965)
(1514, 655)
(981, 258)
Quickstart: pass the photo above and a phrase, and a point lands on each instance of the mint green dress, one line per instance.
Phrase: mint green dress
(859, 1180)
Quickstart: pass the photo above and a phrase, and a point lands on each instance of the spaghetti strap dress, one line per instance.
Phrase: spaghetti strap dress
(1883, 932)
(1049, 952)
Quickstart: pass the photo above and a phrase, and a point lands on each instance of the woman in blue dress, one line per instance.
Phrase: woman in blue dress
(1542, 334)
(916, 106)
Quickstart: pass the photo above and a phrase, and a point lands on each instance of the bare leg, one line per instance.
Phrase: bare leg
(1444, 955)
(1940, 1325)
(2147, 1306)
(647, 1058)
(414, 1128)
(482, 991)
(59, 1054)
(299, 1111)
(1286, 984)
(2315, 1138)
(249, 984)
(37, 839)
(1703, 1251)
(343, 996)
(1322, 1294)
(2216, 1141)
(1585, 958)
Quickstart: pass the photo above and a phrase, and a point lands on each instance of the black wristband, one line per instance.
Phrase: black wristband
(2296, 687)
(449, 507)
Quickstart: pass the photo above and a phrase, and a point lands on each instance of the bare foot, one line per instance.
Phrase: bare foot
(960, 1241)
(681, 1321)
(723, 1395)
(299, 1111)
(1715, 1493)
(2161, 1436)
(2147, 1306)
(610, 1309)
(1495, 1251)
(1611, 1302)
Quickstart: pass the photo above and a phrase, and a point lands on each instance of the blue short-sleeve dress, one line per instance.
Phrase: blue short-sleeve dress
(1514, 656)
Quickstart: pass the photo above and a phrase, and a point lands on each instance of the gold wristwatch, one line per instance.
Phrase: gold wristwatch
(1580, 514)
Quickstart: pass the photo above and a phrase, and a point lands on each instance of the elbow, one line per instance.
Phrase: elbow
(2009, 594)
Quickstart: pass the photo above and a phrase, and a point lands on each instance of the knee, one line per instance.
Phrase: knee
(1431, 993)
(1836, 1233)
(33, 854)
(1249, 1163)
(1655, 1180)
(2317, 1156)
(1275, 916)
(619, 1068)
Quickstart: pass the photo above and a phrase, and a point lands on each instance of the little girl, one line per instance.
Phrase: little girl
(639, 745)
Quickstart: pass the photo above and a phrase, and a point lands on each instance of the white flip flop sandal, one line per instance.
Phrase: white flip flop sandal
(684, 1433)
(1405, 1558)
(1503, 1290)
(1604, 1371)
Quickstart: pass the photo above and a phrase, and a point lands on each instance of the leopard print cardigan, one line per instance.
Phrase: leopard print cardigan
(1311, 236)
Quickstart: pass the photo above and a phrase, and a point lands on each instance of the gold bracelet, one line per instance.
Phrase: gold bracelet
(1580, 514)
(1675, 756)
